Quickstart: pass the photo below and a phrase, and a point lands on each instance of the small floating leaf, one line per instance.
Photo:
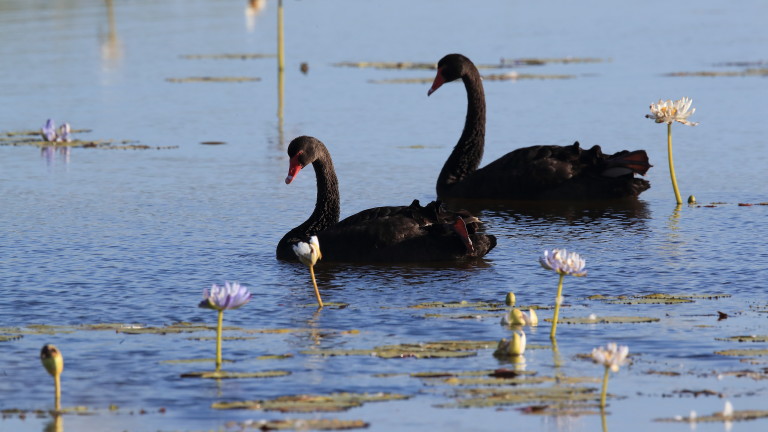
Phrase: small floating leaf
(235, 375)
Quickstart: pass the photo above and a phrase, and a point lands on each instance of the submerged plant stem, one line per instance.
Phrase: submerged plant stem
(605, 387)
(558, 300)
(314, 284)
(672, 165)
(218, 339)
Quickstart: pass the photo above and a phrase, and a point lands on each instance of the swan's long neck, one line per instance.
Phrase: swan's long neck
(328, 203)
(327, 207)
(468, 153)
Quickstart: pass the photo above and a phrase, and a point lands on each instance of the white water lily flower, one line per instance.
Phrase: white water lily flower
(728, 410)
(563, 262)
(308, 253)
(612, 356)
(669, 111)
(518, 317)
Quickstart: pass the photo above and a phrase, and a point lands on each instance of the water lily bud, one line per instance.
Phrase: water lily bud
(52, 359)
(691, 199)
(510, 299)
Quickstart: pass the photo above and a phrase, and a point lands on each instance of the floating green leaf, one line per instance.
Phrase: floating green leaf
(235, 375)
(311, 403)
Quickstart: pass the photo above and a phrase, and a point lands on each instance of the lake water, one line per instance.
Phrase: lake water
(95, 236)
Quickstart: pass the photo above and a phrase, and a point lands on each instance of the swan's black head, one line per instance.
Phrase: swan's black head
(303, 151)
(450, 68)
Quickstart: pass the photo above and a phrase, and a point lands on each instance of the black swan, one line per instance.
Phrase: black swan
(382, 234)
(530, 173)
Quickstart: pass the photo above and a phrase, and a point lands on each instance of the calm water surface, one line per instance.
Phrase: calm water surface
(112, 236)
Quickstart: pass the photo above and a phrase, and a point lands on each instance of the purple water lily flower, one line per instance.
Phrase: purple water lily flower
(48, 131)
(230, 296)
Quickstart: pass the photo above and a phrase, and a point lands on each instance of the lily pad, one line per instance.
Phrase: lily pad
(440, 349)
(743, 73)
(744, 352)
(750, 338)
(275, 357)
(213, 79)
(235, 375)
(605, 320)
(490, 397)
(657, 298)
(196, 360)
(7, 338)
(459, 304)
(298, 424)
(244, 56)
(181, 327)
(542, 61)
(306, 403)
(738, 415)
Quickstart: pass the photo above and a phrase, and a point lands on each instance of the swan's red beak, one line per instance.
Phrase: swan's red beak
(439, 80)
(293, 168)
(461, 228)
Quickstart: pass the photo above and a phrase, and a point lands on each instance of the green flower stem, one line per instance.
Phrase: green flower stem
(314, 284)
(57, 389)
(605, 387)
(603, 420)
(218, 339)
(558, 300)
(672, 165)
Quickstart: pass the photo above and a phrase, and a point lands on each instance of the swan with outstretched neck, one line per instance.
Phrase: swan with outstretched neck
(531, 173)
(383, 234)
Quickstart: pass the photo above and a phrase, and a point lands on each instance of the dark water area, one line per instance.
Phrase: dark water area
(132, 237)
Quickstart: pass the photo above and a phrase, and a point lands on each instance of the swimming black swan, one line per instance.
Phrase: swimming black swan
(530, 173)
(381, 234)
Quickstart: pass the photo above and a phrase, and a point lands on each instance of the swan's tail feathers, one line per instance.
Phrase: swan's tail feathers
(635, 162)
(461, 229)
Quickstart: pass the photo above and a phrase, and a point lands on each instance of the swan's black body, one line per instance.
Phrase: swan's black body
(382, 234)
(531, 173)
